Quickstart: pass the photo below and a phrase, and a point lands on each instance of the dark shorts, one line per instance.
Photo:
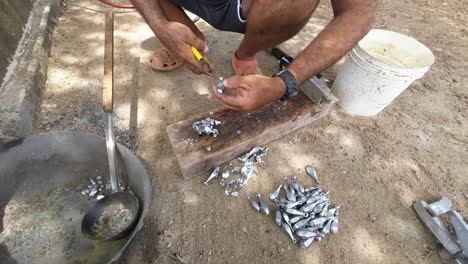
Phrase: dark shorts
(222, 14)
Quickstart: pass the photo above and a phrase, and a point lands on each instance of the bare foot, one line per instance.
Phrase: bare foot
(245, 66)
(164, 60)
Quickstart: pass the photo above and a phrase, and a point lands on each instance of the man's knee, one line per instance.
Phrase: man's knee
(288, 13)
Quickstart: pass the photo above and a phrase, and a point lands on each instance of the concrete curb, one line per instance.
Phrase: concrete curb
(22, 87)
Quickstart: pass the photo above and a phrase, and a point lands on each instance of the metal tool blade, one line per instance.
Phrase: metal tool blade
(110, 144)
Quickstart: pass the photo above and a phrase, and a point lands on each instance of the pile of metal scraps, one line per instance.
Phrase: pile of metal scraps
(246, 170)
(302, 212)
(451, 233)
(97, 188)
(206, 127)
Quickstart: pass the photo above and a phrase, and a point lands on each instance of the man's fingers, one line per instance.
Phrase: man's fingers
(229, 99)
(192, 63)
(197, 69)
(235, 82)
(198, 43)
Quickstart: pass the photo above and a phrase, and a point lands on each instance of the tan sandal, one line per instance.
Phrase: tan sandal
(245, 67)
(163, 60)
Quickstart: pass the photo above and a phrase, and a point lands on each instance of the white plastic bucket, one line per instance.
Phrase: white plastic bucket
(378, 69)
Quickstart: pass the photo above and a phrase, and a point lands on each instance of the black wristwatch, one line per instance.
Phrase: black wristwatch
(290, 81)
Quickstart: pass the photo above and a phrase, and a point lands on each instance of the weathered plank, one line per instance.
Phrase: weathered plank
(257, 128)
(108, 80)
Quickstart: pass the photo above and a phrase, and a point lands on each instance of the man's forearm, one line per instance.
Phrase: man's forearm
(152, 12)
(353, 19)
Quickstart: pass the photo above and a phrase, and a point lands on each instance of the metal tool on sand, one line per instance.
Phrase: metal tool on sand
(114, 215)
(452, 235)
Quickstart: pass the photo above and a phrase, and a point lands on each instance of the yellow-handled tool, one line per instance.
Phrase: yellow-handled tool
(202, 59)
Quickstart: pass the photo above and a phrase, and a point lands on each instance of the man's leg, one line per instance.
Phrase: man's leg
(269, 23)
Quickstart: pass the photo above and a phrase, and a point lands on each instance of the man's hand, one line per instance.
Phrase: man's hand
(246, 93)
(178, 38)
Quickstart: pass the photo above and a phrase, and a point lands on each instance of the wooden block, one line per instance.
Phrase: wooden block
(257, 128)
(108, 80)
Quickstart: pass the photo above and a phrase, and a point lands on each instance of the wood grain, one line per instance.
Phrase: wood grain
(257, 128)
(108, 80)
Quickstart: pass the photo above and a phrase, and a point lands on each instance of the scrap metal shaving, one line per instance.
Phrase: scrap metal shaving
(246, 171)
(97, 188)
(302, 213)
(206, 127)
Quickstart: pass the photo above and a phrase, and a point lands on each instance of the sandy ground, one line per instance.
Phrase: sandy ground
(373, 167)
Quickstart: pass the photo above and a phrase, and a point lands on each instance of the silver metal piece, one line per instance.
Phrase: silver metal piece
(311, 188)
(317, 90)
(238, 132)
(213, 175)
(440, 207)
(93, 192)
(314, 199)
(246, 172)
(306, 243)
(309, 229)
(305, 234)
(324, 211)
(226, 173)
(206, 127)
(291, 197)
(295, 219)
(296, 212)
(233, 187)
(220, 85)
(285, 217)
(302, 223)
(320, 207)
(292, 204)
(296, 185)
(288, 231)
(208, 149)
(223, 182)
(327, 227)
(312, 173)
(92, 182)
(278, 216)
(263, 205)
(445, 238)
(334, 226)
(310, 207)
(318, 221)
(99, 197)
(253, 154)
(461, 229)
(253, 203)
(235, 169)
(300, 186)
(333, 211)
(274, 194)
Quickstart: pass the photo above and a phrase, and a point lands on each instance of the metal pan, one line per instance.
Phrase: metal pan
(41, 206)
